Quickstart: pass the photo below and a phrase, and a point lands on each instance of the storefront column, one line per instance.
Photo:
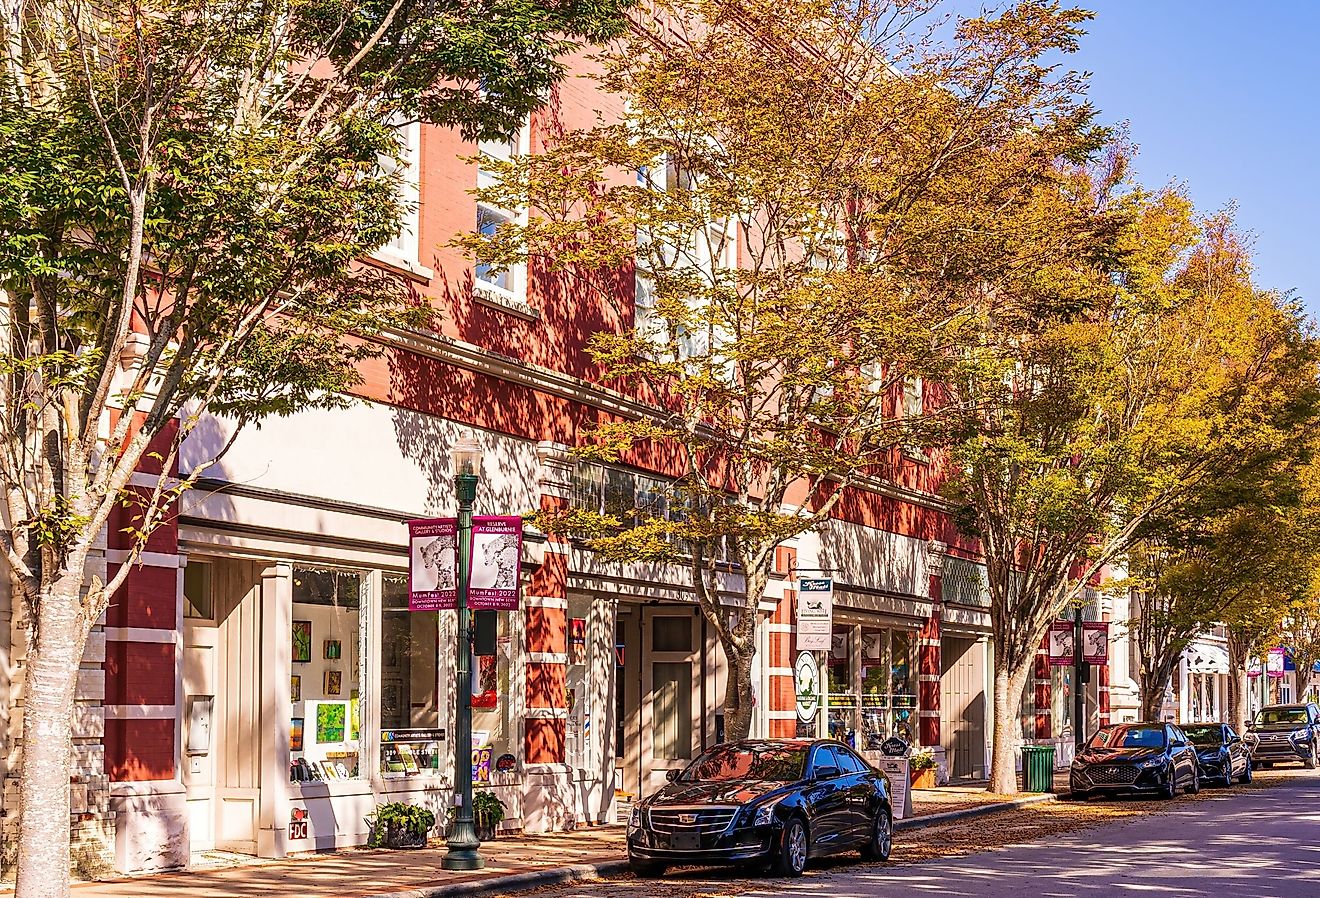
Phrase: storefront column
(1102, 686)
(929, 662)
(546, 723)
(276, 665)
(781, 717)
(1044, 697)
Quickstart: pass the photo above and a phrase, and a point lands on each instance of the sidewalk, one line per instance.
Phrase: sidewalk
(513, 863)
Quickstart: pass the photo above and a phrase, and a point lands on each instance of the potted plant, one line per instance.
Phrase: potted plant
(922, 764)
(398, 824)
(487, 812)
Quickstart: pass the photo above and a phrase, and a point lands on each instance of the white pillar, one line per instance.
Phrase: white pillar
(276, 709)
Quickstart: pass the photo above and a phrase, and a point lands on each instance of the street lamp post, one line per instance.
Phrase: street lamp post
(463, 844)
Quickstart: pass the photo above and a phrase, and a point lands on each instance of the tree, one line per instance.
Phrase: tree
(1301, 637)
(787, 180)
(1117, 373)
(185, 188)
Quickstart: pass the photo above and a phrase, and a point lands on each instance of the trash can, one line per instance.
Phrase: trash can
(1038, 768)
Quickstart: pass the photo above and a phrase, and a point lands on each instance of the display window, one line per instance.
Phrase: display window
(492, 721)
(326, 675)
(412, 742)
(872, 685)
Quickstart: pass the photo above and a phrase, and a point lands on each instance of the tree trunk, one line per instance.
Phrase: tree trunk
(1153, 685)
(50, 680)
(1008, 698)
(1237, 681)
(738, 696)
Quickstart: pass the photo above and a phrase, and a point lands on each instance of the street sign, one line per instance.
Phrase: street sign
(806, 683)
(815, 614)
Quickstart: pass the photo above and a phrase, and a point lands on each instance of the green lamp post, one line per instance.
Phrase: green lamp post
(463, 844)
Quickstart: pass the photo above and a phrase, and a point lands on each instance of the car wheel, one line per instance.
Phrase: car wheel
(646, 869)
(1196, 782)
(1309, 762)
(877, 848)
(1170, 787)
(792, 859)
(1246, 774)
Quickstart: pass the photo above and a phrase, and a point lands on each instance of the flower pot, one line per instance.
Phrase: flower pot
(398, 836)
(485, 831)
(923, 779)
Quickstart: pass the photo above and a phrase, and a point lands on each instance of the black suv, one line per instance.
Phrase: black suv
(1285, 733)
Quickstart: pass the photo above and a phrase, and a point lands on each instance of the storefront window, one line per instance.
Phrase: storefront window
(578, 680)
(492, 735)
(903, 683)
(326, 679)
(843, 699)
(411, 741)
(1061, 701)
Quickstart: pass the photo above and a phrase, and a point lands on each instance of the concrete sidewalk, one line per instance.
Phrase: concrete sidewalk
(513, 863)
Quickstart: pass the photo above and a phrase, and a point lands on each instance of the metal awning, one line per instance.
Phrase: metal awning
(1205, 658)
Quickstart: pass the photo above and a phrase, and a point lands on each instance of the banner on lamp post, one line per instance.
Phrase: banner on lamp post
(1274, 663)
(1095, 642)
(496, 561)
(1061, 643)
(432, 564)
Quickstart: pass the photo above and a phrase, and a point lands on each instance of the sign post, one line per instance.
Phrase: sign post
(815, 630)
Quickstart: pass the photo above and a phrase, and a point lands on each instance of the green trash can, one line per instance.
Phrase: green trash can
(1038, 768)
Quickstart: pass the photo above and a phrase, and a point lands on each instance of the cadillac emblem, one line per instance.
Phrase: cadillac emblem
(687, 818)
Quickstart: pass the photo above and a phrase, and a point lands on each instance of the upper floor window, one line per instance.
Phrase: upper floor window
(404, 249)
(505, 286)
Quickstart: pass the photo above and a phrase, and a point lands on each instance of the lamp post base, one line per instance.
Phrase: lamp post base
(463, 851)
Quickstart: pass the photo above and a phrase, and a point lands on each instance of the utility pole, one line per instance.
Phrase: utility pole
(1081, 671)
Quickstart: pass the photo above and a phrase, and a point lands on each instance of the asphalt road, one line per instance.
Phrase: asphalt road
(1256, 844)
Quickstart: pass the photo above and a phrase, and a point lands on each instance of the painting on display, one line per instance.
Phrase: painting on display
(334, 682)
(333, 649)
(330, 720)
(302, 641)
(295, 688)
(296, 735)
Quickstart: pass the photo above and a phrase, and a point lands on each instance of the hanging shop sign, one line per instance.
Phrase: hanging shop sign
(496, 553)
(432, 564)
(1095, 642)
(815, 614)
(1061, 643)
(1274, 663)
(806, 683)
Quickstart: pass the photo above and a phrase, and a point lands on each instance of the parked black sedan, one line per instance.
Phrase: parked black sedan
(776, 801)
(1221, 754)
(1133, 758)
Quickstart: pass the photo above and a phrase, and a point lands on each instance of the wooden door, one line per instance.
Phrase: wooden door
(671, 692)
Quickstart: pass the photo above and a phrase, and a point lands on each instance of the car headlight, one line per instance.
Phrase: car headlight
(1152, 762)
(635, 819)
(1295, 735)
(766, 813)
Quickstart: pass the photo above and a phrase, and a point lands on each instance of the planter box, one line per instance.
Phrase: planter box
(923, 779)
(397, 836)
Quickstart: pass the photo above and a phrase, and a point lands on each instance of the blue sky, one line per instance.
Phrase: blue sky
(1223, 96)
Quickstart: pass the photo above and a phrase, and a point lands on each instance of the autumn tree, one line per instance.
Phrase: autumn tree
(1300, 635)
(184, 190)
(784, 184)
(1120, 369)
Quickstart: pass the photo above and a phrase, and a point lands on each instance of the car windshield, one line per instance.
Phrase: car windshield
(1206, 736)
(783, 763)
(1274, 716)
(1129, 737)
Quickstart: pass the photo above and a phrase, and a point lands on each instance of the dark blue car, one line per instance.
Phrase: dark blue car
(764, 801)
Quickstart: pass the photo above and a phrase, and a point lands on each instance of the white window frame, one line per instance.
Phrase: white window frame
(404, 251)
(512, 298)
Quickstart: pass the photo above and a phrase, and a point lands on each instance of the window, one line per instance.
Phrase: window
(492, 720)
(410, 695)
(404, 247)
(503, 286)
(671, 726)
(197, 600)
(913, 397)
(579, 682)
(327, 665)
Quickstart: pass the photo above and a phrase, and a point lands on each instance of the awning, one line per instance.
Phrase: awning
(1204, 658)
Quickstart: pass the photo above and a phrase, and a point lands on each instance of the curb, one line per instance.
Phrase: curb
(514, 882)
(535, 879)
(950, 816)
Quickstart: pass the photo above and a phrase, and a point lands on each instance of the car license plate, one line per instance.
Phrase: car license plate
(685, 841)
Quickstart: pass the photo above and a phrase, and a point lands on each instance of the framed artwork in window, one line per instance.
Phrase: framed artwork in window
(302, 641)
(333, 649)
(334, 682)
(295, 688)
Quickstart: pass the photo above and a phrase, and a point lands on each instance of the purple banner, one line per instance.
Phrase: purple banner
(1061, 643)
(1095, 642)
(496, 556)
(432, 563)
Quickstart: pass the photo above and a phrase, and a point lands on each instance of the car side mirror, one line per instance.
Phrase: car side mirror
(1234, 739)
(1178, 743)
(673, 774)
(825, 773)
